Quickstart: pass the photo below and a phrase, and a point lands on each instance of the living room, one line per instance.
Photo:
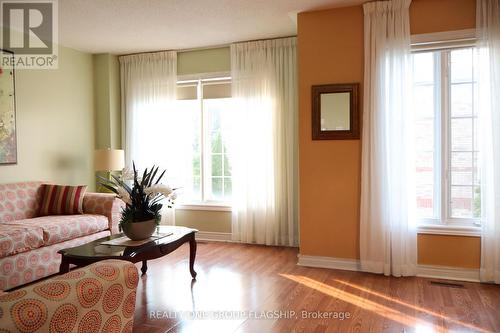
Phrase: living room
(330, 166)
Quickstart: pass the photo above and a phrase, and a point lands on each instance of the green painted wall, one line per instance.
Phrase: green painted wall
(55, 123)
(203, 61)
(107, 101)
(115, 102)
(204, 220)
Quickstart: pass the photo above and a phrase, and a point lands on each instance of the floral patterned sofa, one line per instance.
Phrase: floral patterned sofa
(29, 244)
(97, 298)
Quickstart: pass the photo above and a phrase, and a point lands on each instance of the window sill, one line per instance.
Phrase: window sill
(218, 207)
(451, 230)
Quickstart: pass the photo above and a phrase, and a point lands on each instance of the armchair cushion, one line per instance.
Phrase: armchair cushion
(99, 297)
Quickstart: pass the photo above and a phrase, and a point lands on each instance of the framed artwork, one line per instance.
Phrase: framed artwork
(8, 135)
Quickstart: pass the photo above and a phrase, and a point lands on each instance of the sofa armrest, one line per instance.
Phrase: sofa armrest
(106, 204)
(98, 297)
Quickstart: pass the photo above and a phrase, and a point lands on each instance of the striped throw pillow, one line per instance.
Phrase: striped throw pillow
(62, 199)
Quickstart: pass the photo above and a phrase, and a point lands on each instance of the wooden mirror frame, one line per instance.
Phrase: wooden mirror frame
(354, 120)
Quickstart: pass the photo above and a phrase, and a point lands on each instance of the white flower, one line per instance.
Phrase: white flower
(165, 190)
(127, 174)
(123, 194)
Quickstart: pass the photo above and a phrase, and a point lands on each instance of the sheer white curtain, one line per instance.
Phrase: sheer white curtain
(488, 29)
(264, 144)
(155, 133)
(388, 233)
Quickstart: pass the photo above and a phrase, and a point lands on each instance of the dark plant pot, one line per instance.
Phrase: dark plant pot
(139, 230)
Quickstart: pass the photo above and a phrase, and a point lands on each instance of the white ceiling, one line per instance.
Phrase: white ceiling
(126, 26)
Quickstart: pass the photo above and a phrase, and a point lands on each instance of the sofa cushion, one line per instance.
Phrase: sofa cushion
(17, 238)
(59, 228)
(62, 199)
(19, 200)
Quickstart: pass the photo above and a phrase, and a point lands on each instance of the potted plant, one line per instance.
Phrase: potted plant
(143, 201)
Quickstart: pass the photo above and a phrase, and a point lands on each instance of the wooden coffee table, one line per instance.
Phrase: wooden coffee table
(94, 251)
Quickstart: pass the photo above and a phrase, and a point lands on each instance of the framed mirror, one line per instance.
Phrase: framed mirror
(335, 112)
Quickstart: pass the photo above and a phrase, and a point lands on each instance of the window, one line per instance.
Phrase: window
(209, 103)
(444, 101)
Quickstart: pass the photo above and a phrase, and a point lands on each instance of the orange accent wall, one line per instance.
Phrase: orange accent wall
(454, 251)
(331, 51)
(428, 16)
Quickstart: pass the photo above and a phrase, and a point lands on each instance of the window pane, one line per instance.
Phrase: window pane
(461, 99)
(217, 188)
(476, 137)
(477, 202)
(187, 130)
(425, 166)
(196, 188)
(461, 134)
(476, 98)
(227, 166)
(217, 90)
(465, 200)
(196, 165)
(423, 101)
(228, 188)
(461, 168)
(216, 141)
(424, 130)
(424, 107)
(217, 165)
(477, 169)
(214, 110)
(423, 67)
(461, 65)
(219, 116)
(461, 201)
(425, 183)
(425, 204)
(187, 92)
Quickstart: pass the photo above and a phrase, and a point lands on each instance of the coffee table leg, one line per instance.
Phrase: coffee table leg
(64, 267)
(144, 267)
(192, 255)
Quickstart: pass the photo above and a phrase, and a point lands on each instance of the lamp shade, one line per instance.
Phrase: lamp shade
(109, 159)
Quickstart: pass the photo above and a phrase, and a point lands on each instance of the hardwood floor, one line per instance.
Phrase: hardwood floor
(242, 282)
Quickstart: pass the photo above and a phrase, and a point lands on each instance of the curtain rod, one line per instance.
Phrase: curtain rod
(207, 47)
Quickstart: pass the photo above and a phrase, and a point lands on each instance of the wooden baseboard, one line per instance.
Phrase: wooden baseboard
(213, 236)
(448, 273)
(329, 262)
(427, 271)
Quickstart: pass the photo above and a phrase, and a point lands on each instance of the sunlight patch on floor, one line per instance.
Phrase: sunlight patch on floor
(382, 310)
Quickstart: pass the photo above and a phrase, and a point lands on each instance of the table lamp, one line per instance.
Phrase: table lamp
(109, 160)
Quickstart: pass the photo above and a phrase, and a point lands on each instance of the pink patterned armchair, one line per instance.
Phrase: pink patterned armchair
(96, 298)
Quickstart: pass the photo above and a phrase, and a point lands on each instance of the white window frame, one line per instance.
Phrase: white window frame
(199, 81)
(444, 224)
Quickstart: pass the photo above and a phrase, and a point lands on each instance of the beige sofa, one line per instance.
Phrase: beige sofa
(96, 298)
(29, 243)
